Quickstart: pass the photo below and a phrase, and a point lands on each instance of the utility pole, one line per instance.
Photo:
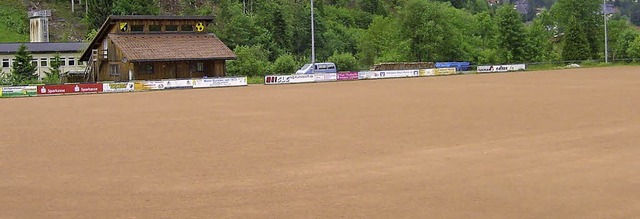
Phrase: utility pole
(606, 37)
(313, 43)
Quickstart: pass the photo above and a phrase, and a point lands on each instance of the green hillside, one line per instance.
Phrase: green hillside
(13, 21)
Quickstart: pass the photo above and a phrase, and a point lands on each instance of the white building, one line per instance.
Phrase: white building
(43, 55)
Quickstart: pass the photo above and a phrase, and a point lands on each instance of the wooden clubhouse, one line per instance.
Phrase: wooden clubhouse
(141, 47)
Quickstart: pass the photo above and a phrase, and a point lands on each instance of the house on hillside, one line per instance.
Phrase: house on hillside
(141, 47)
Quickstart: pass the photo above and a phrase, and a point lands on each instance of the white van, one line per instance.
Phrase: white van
(324, 67)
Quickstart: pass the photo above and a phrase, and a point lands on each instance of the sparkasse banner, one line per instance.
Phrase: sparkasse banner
(69, 89)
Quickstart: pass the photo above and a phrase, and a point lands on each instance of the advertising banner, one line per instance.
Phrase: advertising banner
(322, 77)
(69, 89)
(493, 68)
(229, 82)
(518, 67)
(18, 91)
(220, 82)
(375, 75)
(399, 74)
(117, 87)
(427, 72)
(178, 84)
(364, 75)
(445, 71)
(347, 76)
(289, 79)
(148, 85)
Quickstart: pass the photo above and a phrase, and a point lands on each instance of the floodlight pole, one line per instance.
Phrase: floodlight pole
(313, 43)
(606, 37)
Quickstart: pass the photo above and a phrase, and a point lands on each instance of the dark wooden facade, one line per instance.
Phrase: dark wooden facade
(113, 63)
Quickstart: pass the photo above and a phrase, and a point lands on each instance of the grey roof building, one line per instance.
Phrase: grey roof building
(11, 48)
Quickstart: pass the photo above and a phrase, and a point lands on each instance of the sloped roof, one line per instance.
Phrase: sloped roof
(171, 47)
(113, 19)
(9, 48)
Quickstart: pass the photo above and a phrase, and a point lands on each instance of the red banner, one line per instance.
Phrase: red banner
(69, 89)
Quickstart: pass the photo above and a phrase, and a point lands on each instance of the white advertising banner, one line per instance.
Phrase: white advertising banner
(364, 75)
(320, 77)
(229, 82)
(399, 74)
(518, 67)
(154, 85)
(117, 87)
(176, 84)
(289, 79)
(500, 68)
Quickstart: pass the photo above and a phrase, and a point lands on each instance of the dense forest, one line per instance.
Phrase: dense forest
(274, 36)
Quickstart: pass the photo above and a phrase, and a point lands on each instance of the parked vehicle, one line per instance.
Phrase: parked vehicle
(460, 66)
(324, 67)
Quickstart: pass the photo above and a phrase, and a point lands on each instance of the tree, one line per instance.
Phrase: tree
(382, 41)
(135, 7)
(53, 76)
(252, 61)
(538, 46)
(575, 45)
(624, 41)
(344, 61)
(634, 49)
(98, 12)
(285, 64)
(634, 14)
(511, 35)
(436, 31)
(23, 69)
(588, 16)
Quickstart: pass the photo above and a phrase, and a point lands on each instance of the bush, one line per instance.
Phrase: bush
(344, 61)
(285, 64)
(252, 61)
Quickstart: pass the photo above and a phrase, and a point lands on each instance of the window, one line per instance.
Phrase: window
(5, 63)
(146, 69)
(199, 67)
(155, 28)
(34, 62)
(171, 28)
(63, 62)
(137, 28)
(43, 62)
(113, 70)
(187, 28)
(72, 61)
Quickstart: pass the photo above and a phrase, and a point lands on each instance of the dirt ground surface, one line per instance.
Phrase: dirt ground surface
(552, 144)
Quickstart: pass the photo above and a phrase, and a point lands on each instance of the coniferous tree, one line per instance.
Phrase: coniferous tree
(53, 76)
(575, 44)
(23, 69)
